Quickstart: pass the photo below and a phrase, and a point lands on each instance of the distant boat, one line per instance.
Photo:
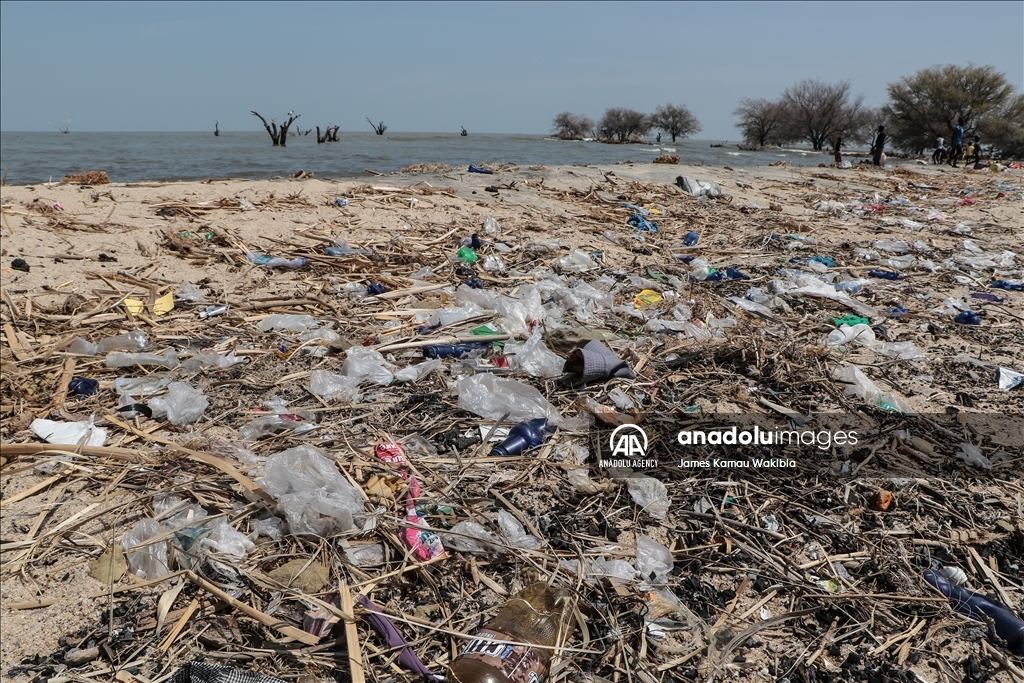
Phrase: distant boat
(720, 144)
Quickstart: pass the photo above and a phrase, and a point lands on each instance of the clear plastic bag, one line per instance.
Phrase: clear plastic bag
(495, 264)
(189, 292)
(226, 544)
(167, 359)
(535, 358)
(491, 397)
(287, 323)
(129, 341)
(146, 561)
(514, 533)
(272, 528)
(140, 386)
(414, 373)
(366, 555)
(653, 560)
(857, 384)
(182, 405)
(210, 359)
(366, 365)
(972, 455)
(578, 261)
(310, 492)
(492, 227)
(846, 334)
(650, 494)
(470, 537)
(334, 387)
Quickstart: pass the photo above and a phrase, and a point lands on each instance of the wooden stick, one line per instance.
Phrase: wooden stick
(355, 651)
(29, 491)
(16, 449)
(176, 631)
(265, 619)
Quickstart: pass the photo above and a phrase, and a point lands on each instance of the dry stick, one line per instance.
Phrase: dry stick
(265, 619)
(355, 652)
(176, 631)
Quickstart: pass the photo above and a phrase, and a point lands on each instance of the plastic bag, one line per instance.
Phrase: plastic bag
(414, 373)
(535, 358)
(140, 386)
(272, 528)
(653, 560)
(578, 261)
(189, 292)
(129, 341)
(492, 227)
(182, 405)
(146, 561)
(972, 455)
(470, 537)
(491, 397)
(310, 492)
(230, 545)
(366, 555)
(167, 359)
(210, 359)
(366, 365)
(332, 386)
(650, 494)
(860, 334)
(495, 264)
(514, 533)
(288, 323)
(69, 432)
(858, 384)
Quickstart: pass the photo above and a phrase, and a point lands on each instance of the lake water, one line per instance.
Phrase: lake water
(130, 157)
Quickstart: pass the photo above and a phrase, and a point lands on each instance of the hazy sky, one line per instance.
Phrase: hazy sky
(498, 68)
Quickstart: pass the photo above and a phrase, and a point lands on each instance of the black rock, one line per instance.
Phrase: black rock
(19, 264)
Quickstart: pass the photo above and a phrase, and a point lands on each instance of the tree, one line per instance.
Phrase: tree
(379, 128)
(278, 134)
(622, 125)
(761, 121)
(63, 124)
(927, 105)
(819, 112)
(569, 126)
(676, 120)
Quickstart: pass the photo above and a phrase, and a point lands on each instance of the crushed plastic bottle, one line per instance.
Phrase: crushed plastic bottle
(537, 615)
(269, 261)
(288, 323)
(167, 359)
(466, 254)
(129, 341)
(523, 436)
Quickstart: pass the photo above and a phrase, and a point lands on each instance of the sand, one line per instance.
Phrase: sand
(68, 279)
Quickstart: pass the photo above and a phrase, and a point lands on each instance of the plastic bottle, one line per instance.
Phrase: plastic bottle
(167, 359)
(690, 239)
(275, 261)
(884, 274)
(968, 318)
(452, 350)
(375, 288)
(1005, 623)
(523, 436)
(535, 615)
(466, 254)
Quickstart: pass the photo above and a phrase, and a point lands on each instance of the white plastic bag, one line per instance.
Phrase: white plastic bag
(470, 537)
(514, 533)
(650, 494)
(287, 323)
(146, 561)
(69, 432)
(332, 386)
(228, 544)
(366, 365)
(414, 373)
(310, 492)
(183, 405)
(653, 560)
(535, 358)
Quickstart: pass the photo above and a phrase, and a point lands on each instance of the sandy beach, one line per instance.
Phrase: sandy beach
(73, 254)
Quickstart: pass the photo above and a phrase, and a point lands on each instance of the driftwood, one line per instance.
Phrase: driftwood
(379, 128)
(278, 134)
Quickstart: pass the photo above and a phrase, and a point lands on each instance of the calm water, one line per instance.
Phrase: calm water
(129, 157)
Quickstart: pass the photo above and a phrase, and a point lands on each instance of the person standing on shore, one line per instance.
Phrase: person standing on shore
(940, 151)
(839, 153)
(957, 143)
(878, 147)
(977, 151)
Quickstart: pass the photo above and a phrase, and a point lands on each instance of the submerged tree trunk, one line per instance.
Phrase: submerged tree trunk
(279, 135)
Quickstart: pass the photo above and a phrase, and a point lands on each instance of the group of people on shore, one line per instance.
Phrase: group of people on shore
(941, 154)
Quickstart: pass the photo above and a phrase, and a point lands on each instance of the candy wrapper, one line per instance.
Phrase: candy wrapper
(425, 544)
(393, 454)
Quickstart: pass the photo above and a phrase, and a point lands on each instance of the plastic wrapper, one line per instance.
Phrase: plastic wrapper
(182, 405)
(167, 359)
(146, 561)
(535, 358)
(69, 432)
(299, 421)
(189, 292)
(129, 341)
(972, 455)
(366, 555)
(414, 373)
(580, 479)
(227, 544)
(423, 542)
(205, 360)
(334, 387)
(491, 397)
(858, 334)
(140, 386)
(653, 560)
(366, 365)
(492, 227)
(495, 264)
(287, 323)
(810, 286)
(621, 399)
(859, 385)
(310, 492)
(578, 261)
(650, 494)
(598, 567)
(470, 537)
(514, 533)
(272, 528)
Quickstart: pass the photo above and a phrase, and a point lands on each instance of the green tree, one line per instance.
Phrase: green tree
(676, 120)
(622, 125)
(926, 105)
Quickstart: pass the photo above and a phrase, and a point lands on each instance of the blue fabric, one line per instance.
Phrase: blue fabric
(640, 223)
(958, 135)
(477, 169)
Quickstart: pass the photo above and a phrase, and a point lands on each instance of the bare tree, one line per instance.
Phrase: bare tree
(329, 135)
(569, 126)
(63, 124)
(622, 125)
(676, 120)
(278, 134)
(761, 121)
(819, 112)
(379, 128)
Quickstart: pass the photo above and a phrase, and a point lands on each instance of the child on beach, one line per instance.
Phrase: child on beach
(940, 151)
(957, 143)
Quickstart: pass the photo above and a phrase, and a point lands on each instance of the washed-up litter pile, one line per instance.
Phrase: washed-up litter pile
(343, 456)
